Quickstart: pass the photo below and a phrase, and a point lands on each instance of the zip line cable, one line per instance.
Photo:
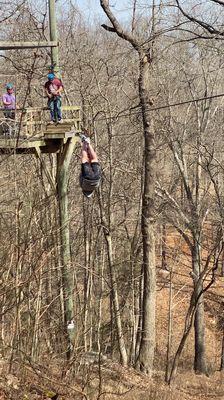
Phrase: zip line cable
(162, 107)
(133, 110)
(186, 102)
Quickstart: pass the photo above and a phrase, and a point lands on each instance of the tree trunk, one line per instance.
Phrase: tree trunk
(170, 327)
(200, 365)
(117, 315)
(222, 264)
(100, 271)
(133, 319)
(147, 345)
(139, 324)
(35, 338)
(222, 353)
(163, 247)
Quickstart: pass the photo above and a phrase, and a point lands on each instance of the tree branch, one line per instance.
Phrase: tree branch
(221, 2)
(108, 28)
(116, 26)
(203, 24)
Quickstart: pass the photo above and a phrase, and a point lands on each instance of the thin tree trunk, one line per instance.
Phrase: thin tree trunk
(107, 224)
(133, 317)
(139, 324)
(35, 338)
(222, 264)
(2, 318)
(195, 297)
(147, 345)
(15, 340)
(112, 329)
(100, 301)
(133, 21)
(163, 246)
(222, 353)
(170, 320)
(200, 365)
(117, 315)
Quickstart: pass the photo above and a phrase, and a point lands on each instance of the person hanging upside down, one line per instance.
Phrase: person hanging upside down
(53, 88)
(90, 176)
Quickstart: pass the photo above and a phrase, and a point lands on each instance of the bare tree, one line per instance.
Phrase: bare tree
(147, 346)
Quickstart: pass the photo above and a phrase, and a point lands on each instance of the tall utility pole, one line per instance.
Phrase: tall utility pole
(63, 162)
(53, 35)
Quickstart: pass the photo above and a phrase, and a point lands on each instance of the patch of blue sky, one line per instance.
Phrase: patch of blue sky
(91, 9)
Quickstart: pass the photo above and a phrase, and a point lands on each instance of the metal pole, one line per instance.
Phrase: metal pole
(53, 36)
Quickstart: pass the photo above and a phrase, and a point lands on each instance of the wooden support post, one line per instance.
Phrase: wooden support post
(47, 172)
(53, 35)
(63, 161)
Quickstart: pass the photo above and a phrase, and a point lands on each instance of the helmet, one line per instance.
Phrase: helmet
(51, 77)
(9, 86)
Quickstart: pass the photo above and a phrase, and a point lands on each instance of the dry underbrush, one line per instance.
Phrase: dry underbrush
(107, 380)
(102, 382)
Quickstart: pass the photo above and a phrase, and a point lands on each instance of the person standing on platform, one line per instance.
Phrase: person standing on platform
(53, 88)
(9, 102)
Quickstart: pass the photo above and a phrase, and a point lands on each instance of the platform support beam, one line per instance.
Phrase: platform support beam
(26, 45)
(44, 166)
(63, 162)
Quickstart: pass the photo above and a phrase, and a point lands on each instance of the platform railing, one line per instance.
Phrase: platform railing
(32, 122)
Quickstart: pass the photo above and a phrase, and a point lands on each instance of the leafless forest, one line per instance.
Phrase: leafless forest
(145, 280)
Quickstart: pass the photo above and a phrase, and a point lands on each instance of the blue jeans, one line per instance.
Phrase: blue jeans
(54, 105)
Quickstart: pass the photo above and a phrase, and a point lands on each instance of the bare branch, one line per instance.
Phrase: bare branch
(203, 24)
(221, 2)
(13, 12)
(108, 28)
(117, 27)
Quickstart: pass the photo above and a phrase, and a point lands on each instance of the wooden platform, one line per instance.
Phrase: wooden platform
(48, 140)
(31, 130)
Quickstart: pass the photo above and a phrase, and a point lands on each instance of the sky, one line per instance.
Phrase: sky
(91, 9)
(90, 6)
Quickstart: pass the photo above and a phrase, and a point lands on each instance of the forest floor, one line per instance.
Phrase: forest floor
(111, 381)
(107, 380)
